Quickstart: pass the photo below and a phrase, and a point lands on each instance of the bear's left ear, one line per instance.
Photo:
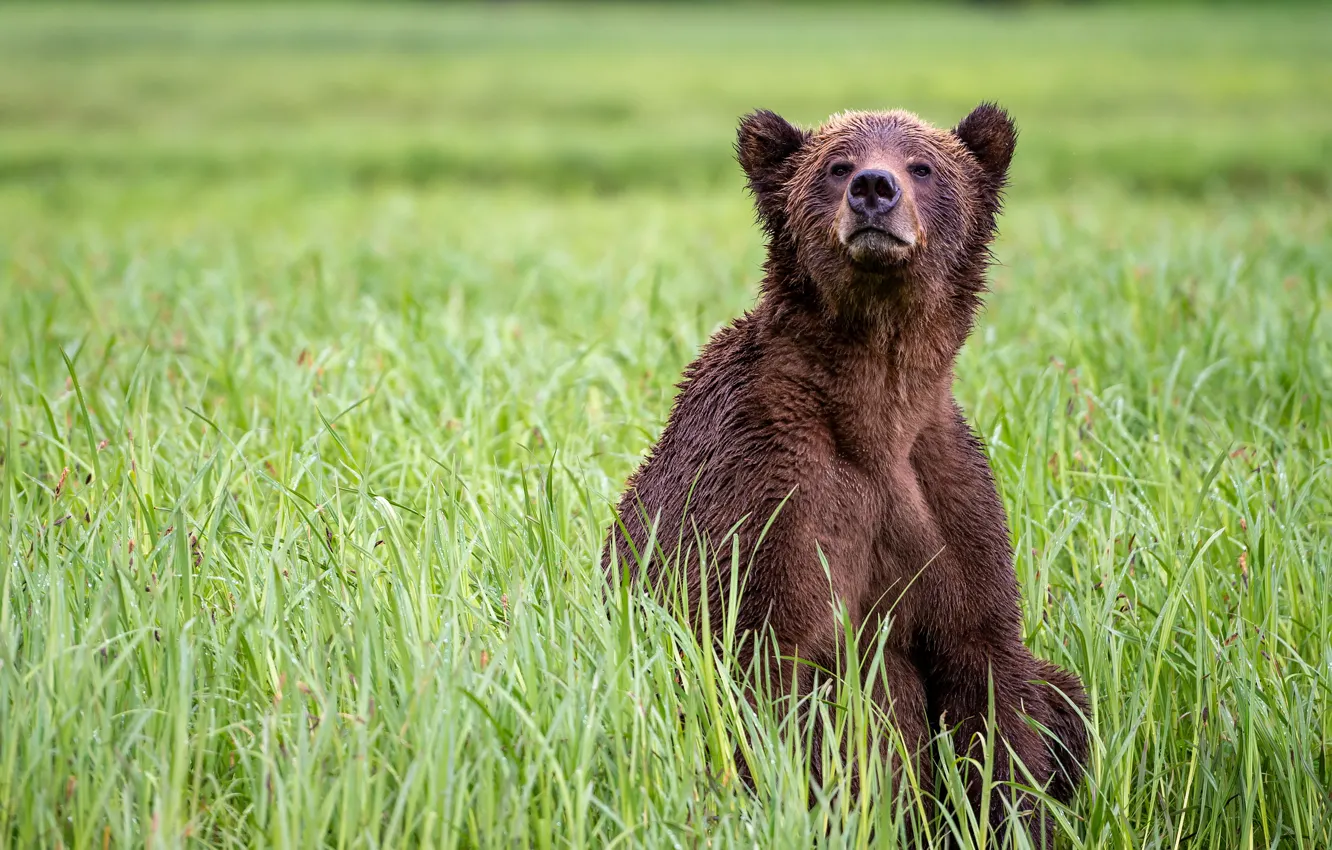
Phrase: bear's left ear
(764, 146)
(990, 134)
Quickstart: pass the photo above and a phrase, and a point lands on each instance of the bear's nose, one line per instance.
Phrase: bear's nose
(873, 190)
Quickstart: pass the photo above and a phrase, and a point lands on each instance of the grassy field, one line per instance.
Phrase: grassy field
(328, 336)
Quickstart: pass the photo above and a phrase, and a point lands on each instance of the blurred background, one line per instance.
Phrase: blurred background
(608, 98)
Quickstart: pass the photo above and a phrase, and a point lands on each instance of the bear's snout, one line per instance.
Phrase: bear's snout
(872, 191)
(877, 222)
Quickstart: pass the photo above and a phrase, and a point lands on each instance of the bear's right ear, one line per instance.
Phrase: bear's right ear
(764, 146)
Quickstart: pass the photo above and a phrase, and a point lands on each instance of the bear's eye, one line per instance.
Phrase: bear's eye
(920, 169)
(840, 169)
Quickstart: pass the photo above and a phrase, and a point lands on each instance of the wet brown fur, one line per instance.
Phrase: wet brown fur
(826, 413)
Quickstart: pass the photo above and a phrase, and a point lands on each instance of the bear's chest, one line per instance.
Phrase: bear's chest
(890, 537)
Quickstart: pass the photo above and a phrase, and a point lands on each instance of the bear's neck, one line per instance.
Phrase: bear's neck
(891, 323)
(877, 385)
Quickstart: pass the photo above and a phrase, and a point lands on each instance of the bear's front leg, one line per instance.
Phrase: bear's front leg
(971, 678)
(970, 631)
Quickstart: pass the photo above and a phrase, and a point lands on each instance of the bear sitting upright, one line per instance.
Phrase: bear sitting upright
(821, 429)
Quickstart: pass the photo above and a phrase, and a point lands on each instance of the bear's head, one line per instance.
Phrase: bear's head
(878, 208)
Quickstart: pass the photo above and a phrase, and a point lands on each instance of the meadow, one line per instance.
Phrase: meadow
(328, 336)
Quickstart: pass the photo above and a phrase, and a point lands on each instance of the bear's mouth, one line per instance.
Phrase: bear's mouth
(877, 233)
(874, 247)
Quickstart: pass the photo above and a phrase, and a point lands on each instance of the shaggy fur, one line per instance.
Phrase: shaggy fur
(821, 427)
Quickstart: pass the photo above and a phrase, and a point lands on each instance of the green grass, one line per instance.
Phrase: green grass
(367, 315)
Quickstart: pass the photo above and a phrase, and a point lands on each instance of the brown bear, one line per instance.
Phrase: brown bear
(817, 438)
